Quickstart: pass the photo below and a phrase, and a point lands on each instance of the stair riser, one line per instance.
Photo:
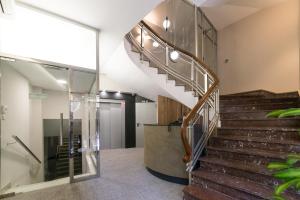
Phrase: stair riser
(257, 101)
(260, 178)
(290, 123)
(189, 197)
(66, 173)
(260, 95)
(224, 189)
(244, 115)
(254, 159)
(267, 134)
(236, 98)
(65, 164)
(239, 144)
(256, 107)
(66, 156)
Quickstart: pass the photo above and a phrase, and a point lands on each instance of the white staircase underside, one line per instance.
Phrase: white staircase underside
(121, 69)
(175, 92)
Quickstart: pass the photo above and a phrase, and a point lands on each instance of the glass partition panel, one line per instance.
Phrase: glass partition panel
(84, 135)
(199, 33)
(183, 28)
(200, 41)
(154, 47)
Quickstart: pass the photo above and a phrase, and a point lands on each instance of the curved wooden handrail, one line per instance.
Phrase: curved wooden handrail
(201, 101)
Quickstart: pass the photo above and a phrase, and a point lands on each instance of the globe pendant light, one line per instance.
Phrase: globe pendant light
(166, 23)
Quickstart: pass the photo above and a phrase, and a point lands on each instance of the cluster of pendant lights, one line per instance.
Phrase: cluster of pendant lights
(174, 55)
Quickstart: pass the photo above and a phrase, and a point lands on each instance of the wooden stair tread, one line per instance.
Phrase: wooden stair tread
(241, 184)
(201, 193)
(246, 111)
(259, 139)
(258, 104)
(267, 119)
(259, 169)
(260, 128)
(267, 98)
(252, 151)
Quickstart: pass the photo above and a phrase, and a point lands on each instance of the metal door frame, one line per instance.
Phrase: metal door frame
(74, 179)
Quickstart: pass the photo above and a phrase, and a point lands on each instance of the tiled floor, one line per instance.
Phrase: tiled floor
(123, 177)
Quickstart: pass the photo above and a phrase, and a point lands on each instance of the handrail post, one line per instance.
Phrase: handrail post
(206, 111)
(205, 82)
(196, 31)
(191, 142)
(167, 59)
(192, 74)
(142, 39)
(167, 56)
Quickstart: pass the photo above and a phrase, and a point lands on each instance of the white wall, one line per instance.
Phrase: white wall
(15, 95)
(56, 102)
(108, 84)
(263, 51)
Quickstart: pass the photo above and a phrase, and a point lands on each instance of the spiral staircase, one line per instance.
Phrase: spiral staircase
(228, 162)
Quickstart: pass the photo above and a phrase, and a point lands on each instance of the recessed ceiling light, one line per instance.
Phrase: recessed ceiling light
(61, 81)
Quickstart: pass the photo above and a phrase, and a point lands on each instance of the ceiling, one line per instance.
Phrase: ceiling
(223, 13)
(46, 77)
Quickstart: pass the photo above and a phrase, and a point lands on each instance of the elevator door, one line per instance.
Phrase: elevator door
(112, 129)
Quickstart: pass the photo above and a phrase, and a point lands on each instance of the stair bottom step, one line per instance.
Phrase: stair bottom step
(193, 192)
(235, 186)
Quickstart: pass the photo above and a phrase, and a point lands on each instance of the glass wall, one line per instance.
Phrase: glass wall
(49, 124)
(190, 30)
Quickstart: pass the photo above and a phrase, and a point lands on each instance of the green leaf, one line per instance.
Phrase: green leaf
(277, 113)
(293, 159)
(290, 113)
(283, 187)
(290, 173)
(277, 166)
(298, 186)
(278, 197)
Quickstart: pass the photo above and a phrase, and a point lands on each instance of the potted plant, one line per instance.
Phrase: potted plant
(289, 171)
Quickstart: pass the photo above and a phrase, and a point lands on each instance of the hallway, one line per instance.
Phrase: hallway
(123, 176)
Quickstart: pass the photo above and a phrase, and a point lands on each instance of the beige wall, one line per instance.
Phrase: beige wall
(263, 51)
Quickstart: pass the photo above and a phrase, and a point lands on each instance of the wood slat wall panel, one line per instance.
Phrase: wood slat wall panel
(169, 110)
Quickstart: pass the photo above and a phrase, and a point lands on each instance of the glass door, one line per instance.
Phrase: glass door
(84, 126)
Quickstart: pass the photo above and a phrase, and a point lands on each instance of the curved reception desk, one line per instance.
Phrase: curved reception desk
(163, 152)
